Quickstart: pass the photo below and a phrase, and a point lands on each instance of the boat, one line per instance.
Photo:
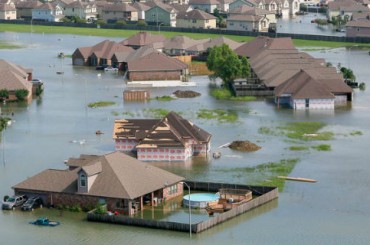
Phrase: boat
(297, 179)
(45, 222)
(110, 68)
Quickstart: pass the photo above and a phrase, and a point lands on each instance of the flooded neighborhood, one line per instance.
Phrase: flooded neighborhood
(66, 128)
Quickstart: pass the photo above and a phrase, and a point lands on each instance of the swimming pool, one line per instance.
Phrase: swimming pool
(199, 200)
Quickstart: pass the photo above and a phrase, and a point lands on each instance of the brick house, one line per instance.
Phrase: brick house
(14, 77)
(172, 138)
(120, 181)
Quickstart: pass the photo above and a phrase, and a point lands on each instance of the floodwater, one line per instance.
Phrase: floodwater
(335, 210)
(301, 24)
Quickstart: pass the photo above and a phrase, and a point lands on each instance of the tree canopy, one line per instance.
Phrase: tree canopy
(226, 64)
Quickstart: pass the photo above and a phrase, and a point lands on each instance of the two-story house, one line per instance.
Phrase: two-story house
(83, 10)
(8, 10)
(119, 11)
(206, 5)
(48, 12)
(161, 13)
(196, 19)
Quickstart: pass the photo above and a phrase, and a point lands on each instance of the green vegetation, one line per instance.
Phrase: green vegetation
(6, 45)
(322, 147)
(73, 208)
(226, 64)
(101, 104)
(218, 114)
(156, 112)
(268, 131)
(164, 98)
(141, 23)
(4, 94)
(362, 86)
(93, 31)
(100, 209)
(3, 122)
(306, 131)
(115, 113)
(226, 94)
(21, 94)
(298, 148)
(127, 113)
(357, 132)
(348, 73)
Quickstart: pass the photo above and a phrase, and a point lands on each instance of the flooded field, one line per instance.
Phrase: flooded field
(59, 125)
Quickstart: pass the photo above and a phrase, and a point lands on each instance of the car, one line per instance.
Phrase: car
(32, 203)
(101, 67)
(110, 68)
(45, 222)
(37, 81)
(13, 202)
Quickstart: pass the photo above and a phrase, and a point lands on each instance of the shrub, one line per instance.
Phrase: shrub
(100, 209)
(21, 94)
(141, 23)
(5, 198)
(120, 23)
(4, 94)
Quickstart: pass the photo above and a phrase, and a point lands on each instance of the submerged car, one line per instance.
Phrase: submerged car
(32, 203)
(13, 202)
(110, 68)
(45, 222)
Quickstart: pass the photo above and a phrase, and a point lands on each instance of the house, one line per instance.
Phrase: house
(14, 77)
(83, 10)
(121, 182)
(141, 9)
(48, 12)
(252, 19)
(24, 9)
(171, 138)
(99, 54)
(248, 3)
(208, 6)
(156, 69)
(161, 13)
(142, 39)
(120, 11)
(358, 28)
(8, 10)
(180, 45)
(307, 89)
(344, 8)
(196, 19)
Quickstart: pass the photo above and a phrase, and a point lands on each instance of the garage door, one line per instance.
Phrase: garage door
(78, 62)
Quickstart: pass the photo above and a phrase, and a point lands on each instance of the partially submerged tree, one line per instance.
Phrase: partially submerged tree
(226, 65)
(4, 94)
(348, 74)
(21, 94)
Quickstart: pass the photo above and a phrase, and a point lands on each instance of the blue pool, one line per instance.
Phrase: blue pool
(199, 200)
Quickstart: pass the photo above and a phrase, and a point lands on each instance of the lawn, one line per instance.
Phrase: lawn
(127, 33)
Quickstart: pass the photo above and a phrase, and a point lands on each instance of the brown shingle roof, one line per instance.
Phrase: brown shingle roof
(204, 2)
(28, 4)
(133, 128)
(121, 176)
(120, 7)
(143, 39)
(13, 76)
(359, 23)
(195, 14)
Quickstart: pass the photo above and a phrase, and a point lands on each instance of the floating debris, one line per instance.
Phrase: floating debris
(244, 146)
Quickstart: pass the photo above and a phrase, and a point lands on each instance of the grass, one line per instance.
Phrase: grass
(306, 131)
(126, 33)
(156, 112)
(6, 45)
(101, 104)
(164, 98)
(127, 113)
(226, 94)
(322, 147)
(218, 114)
(265, 173)
(357, 132)
(298, 148)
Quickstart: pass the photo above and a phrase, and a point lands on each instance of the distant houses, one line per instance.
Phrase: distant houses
(14, 78)
(119, 181)
(171, 138)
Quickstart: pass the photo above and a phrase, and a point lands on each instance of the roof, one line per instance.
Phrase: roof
(7, 7)
(210, 43)
(48, 6)
(173, 131)
(244, 17)
(155, 61)
(133, 128)
(143, 39)
(140, 6)
(120, 7)
(261, 43)
(204, 2)
(181, 42)
(359, 23)
(302, 86)
(195, 14)
(164, 6)
(244, 9)
(13, 76)
(104, 49)
(28, 4)
(121, 176)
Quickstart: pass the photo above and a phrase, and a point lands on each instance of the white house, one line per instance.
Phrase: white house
(48, 12)
(82, 10)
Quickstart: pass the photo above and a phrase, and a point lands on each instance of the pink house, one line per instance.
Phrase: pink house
(172, 138)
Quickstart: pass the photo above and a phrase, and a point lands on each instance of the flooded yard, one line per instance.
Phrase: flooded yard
(59, 125)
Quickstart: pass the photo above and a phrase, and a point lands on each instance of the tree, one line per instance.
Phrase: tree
(141, 23)
(21, 94)
(226, 65)
(348, 74)
(4, 94)
(120, 23)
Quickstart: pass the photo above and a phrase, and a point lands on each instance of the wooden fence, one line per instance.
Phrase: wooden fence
(264, 194)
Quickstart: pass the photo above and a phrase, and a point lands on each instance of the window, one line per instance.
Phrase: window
(83, 180)
(194, 21)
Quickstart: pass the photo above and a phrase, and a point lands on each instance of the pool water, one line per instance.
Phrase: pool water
(199, 200)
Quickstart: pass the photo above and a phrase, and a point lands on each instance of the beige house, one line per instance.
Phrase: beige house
(251, 19)
(196, 19)
(123, 183)
(83, 10)
(358, 28)
(8, 11)
(120, 11)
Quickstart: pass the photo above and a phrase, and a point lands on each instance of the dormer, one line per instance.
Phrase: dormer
(87, 176)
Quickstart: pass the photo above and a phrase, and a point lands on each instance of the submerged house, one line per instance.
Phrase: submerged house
(171, 138)
(14, 77)
(121, 182)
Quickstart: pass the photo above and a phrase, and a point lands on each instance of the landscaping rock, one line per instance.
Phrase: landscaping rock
(244, 146)
(186, 94)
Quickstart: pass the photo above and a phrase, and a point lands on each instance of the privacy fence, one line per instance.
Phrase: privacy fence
(262, 195)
